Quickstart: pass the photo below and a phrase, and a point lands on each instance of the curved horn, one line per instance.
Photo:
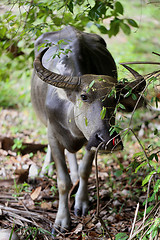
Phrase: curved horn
(139, 84)
(54, 78)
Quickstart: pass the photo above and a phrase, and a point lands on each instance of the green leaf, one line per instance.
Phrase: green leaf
(140, 166)
(121, 106)
(156, 132)
(97, 11)
(6, 44)
(134, 97)
(147, 178)
(153, 164)
(155, 226)
(90, 86)
(157, 185)
(125, 28)
(154, 155)
(158, 170)
(112, 93)
(114, 27)
(70, 6)
(138, 154)
(91, 3)
(119, 8)
(3, 31)
(102, 29)
(86, 122)
(132, 22)
(121, 236)
(112, 130)
(103, 113)
(128, 93)
(118, 173)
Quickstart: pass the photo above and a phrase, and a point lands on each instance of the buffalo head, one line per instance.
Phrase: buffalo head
(93, 104)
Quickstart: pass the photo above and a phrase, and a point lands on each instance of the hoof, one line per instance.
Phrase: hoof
(81, 212)
(54, 233)
(58, 230)
(77, 212)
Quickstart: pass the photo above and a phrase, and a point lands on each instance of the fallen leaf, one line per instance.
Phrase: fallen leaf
(35, 193)
(93, 234)
(88, 222)
(46, 205)
(79, 237)
(28, 202)
(78, 228)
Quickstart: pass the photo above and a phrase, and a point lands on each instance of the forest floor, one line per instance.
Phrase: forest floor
(30, 205)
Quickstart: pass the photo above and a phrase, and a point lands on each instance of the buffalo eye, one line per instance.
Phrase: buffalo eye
(84, 97)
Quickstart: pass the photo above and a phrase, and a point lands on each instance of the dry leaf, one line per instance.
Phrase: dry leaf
(93, 234)
(46, 205)
(87, 221)
(35, 193)
(78, 228)
(28, 202)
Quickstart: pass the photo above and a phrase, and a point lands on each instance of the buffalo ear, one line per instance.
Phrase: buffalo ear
(129, 93)
(131, 102)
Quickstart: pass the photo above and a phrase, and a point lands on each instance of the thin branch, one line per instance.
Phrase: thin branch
(139, 230)
(139, 62)
(97, 180)
(135, 107)
(145, 210)
(25, 22)
(146, 231)
(150, 213)
(97, 186)
(135, 217)
(156, 54)
(140, 145)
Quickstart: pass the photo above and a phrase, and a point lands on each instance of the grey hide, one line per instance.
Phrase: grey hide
(68, 94)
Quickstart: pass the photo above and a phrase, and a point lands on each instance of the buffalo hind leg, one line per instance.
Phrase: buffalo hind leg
(48, 164)
(81, 199)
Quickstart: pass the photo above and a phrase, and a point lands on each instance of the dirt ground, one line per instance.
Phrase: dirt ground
(30, 205)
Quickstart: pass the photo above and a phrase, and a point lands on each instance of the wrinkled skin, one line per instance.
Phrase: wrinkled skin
(72, 113)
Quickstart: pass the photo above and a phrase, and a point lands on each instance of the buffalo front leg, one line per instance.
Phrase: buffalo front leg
(81, 199)
(62, 222)
(72, 160)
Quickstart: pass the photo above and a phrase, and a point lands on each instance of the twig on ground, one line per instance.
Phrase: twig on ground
(36, 224)
(135, 217)
(97, 186)
(139, 230)
(97, 180)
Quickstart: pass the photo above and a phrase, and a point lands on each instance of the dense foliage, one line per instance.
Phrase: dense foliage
(23, 21)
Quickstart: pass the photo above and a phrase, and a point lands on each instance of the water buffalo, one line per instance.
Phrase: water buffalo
(71, 94)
